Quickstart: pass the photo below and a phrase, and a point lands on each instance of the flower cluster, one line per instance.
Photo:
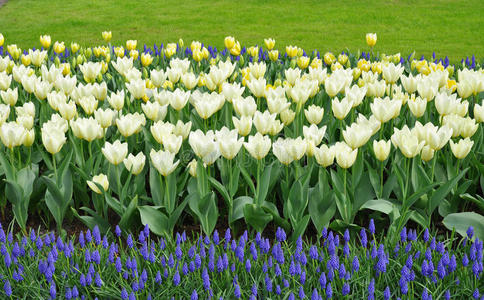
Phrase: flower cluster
(224, 267)
(248, 124)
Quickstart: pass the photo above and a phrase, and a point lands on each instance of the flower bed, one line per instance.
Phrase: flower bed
(250, 267)
(177, 135)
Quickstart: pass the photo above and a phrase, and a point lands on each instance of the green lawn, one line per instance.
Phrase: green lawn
(448, 27)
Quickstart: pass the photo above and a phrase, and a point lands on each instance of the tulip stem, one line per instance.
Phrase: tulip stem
(12, 158)
(258, 183)
(434, 160)
(381, 180)
(55, 167)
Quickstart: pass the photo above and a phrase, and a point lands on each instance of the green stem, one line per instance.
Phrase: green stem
(168, 202)
(381, 179)
(258, 183)
(434, 160)
(344, 190)
(55, 167)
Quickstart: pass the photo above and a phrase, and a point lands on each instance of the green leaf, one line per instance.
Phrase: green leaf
(478, 200)
(176, 215)
(238, 208)
(156, 187)
(235, 182)
(462, 221)
(128, 213)
(92, 220)
(202, 181)
(222, 190)
(208, 213)
(300, 227)
(420, 218)
(364, 192)
(170, 193)
(256, 217)
(443, 191)
(374, 179)
(380, 205)
(156, 220)
(7, 167)
(411, 200)
(337, 181)
(264, 183)
(247, 178)
(357, 171)
(389, 185)
(114, 204)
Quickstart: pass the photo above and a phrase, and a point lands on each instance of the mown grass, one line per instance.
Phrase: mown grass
(448, 27)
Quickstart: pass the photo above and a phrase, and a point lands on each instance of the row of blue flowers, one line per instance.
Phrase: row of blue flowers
(351, 266)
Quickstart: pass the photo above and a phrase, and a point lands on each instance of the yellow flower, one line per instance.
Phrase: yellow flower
(303, 62)
(197, 55)
(146, 59)
(235, 50)
(253, 51)
(131, 44)
(451, 85)
(329, 58)
(2, 40)
(342, 58)
(66, 69)
(270, 43)
(229, 42)
(180, 42)
(274, 55)
(119, 51)
(107, 35)
(59, 47)
(134, 54)
(291, 51)
(371, 39)
(316, 63)
(74, 47)
(26, 60)
(205, 53)
(195, 45)
(14, 51)
(100, 179)
(376, 67)
(45, 41)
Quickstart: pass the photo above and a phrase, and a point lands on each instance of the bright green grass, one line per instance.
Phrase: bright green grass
(448, 27)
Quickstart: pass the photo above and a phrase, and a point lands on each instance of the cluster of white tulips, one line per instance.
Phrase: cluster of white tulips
(288, 109)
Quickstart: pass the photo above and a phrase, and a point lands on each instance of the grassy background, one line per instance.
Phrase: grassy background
(448, 27)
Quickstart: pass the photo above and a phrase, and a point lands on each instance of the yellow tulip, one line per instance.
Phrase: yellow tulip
(14, 51)
(229, 42)
(180, 42)
(291, 51)
(131, 44)
(2, 40)
(134, 54)
(235, 50)
(45, 41)
(107, 35)
(74, 47)
(329, 58)
(146, 59)
(26, 60)
(274, 55)
(195, 45)
(270, 43)
(303, 62)
(342, 58)
(253, 51)
(119, 51)
(197, 55)
(371, 39)
(59, 47)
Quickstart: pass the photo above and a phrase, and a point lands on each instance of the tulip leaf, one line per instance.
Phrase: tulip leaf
(364, 192)
(247, 178)
(256, 217)
(321, 205)
(7, 167)
(155, 219)
(443, 191)
(92, 220)
(380, 205)
(222, 190)
(156, 187)
(357, 171)
(128, 213)
(462, 221)
(300, 227)
(264, 184)
(238, 208)
(208, 212)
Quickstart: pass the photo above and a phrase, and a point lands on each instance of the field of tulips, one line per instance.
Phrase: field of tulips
(175, 135)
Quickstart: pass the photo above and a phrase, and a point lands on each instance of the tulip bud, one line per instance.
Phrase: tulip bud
(88, 52)
(229, 42)
(462, 148)
(479, 113)
(107, 35)
(427, 153)
(45, 41)
(287, 116)
(100, 179)
(345, 155)
(135, 164)
(29, 138)
(192, 168)
(244, 125)
(371, 39)
(116, 152)
(324, 155)
(2, 40)
(381, 149)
